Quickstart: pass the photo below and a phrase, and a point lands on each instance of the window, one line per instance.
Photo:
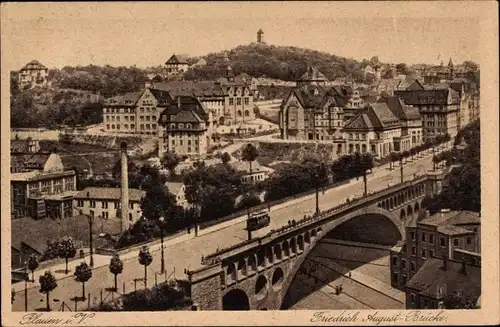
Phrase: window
(105, 204)
(107, 126)
(117, 205)
(395, 261)
(92, 214)
(188, 126)
(172, 126)
(412, 266)
(455, 242)
(413, 250)
(441, 241)
(125, 126)
(413, 298)
(424, 254)
(403, 264)
(105, 215)
(141, 127)
(247, 100)
(431, 239)
(431, 254)
(469, 240)
(231, 101)
(80, 203)
(395, 277)
(92, 204)
(423, 237)
(413, 236)
(238, 101)
(132, 126)
(130, 205)
(153, 126)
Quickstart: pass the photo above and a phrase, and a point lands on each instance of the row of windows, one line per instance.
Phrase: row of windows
(148, 118)
(104, 204)
(181, 143)
(238, 101)
(117, 110)
(105, 215)
(117, 118)
(132, 126)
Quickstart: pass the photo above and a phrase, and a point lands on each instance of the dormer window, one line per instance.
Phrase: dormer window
(172, 117)
(172, 126)
(163, 118)
(181, 125)
(188, 126)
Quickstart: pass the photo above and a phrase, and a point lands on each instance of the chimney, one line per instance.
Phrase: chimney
(445, 263)
(124, 186)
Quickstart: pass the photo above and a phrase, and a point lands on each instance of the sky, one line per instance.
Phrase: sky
(147, 34)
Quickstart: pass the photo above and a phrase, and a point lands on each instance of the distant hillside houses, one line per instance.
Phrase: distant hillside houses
(33, 74)
(389, 115)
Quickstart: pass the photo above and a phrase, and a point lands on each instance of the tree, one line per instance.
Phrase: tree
(225, 157)
(158, 202)
(249, 154)
(145, 259)
(406, 154)
(249, 200)
(435, 161)
(459, 301)
(392, 158)
(413, 151)
(402, 69)
(365, 165)
(48, 283)
(66, 250)
(82, 274)
(32, 265)
(170, 160)
(471, 65)
(116, 267)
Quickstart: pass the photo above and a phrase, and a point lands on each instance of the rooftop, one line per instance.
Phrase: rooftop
(313, 74)
(109, 193)
(176, 59)
(244, 166)
(436, 282)
(452, 217)
(38, 175)
(174, 188)
(191, 88)
(34, 64)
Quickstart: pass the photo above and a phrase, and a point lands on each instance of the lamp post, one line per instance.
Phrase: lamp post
(25, 286)
(162, 264)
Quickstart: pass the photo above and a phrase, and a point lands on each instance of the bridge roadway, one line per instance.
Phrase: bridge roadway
(187, 253)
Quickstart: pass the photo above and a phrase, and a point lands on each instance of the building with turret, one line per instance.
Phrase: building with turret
(260, 36)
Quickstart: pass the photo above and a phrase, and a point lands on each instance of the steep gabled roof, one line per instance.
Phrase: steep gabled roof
(186, 109)
(400, 109)
(415, 85)
(313, 74)
(309, 96)
(176, 59)
(361, 121)
(127, 99)
(426, 97)
(381, 116)
(34, 64)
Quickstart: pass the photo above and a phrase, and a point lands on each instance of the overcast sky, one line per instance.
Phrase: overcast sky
(146, 34)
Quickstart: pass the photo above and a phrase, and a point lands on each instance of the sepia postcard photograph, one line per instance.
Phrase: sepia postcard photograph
(290, 163)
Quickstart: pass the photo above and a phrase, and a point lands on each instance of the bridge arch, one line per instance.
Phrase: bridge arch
(402, 215)
(396, 221)
(417, 208)
(235, 299)
(409, 211)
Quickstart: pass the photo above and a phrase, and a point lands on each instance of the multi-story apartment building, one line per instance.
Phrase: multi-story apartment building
(105, 202)
(425, 266)
(33, 74)
(239, 101)
(373, 130)
(439, 108)
(184, 128)
(135, 112)
(42, 187)
(411, 123)
(447, 235)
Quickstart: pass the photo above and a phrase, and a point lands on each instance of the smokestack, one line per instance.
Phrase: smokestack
(124, 186)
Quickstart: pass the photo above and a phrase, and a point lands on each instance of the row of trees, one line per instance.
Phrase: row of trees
(462, 187)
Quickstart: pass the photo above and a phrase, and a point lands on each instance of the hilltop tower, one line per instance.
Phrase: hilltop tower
(451, 70)
(260, 36)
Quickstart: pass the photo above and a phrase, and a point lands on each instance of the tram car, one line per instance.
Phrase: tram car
(258, 220)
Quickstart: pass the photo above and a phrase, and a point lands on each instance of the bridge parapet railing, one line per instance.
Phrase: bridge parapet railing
(293, 225)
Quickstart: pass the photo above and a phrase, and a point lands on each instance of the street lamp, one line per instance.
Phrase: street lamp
(162, 267)
(25, 286)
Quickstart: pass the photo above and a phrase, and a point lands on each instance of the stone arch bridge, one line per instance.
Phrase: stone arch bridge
(256, 274)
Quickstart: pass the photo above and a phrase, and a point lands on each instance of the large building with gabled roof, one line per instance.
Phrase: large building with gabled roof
(135, 112)
(175, 64)
(184, 128)
(33, 74)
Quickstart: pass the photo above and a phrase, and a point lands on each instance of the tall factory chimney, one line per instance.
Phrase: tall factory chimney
(124, 187)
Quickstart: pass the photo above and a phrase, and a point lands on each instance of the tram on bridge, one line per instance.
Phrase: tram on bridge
(258, 220)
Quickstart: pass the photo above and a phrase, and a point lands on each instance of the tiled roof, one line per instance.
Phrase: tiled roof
(176, 59)
(126, 99)
(174, 188)
(186, 116)
(449, 222)
(453, 230)
(307, 97)
(162, 96)
(192, 88)
(434, 281)
(37, 160)
(34, 64)
(185, 109)
(381, 116)
(426, 97)
(109, 193)
(313, 74)
(244, 166)
(361, 121)
(400, 109)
